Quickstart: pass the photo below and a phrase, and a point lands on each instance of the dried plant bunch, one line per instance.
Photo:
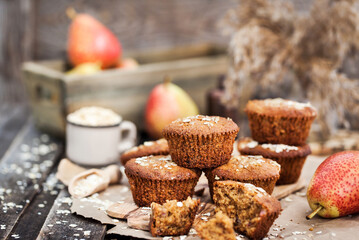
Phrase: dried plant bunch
(271, 43)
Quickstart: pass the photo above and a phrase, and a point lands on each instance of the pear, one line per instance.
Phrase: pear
(90, 41)
(166, 103)
(85, 69)
(127, 64)
(334, 189)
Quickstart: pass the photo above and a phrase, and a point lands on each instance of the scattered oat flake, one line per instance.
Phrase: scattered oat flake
(288, 199)
(16, 236)
(87, 233)
(167, 238)
(73, 225)
(239, 237)
(192, 231)
(2, 227)
(301, 194)
(41, 205)
(66, 212)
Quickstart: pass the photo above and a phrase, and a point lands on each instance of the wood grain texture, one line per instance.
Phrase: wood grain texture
(36, 213)
(17, 22)
(12, 118)
(138, 24)
(61, 224)
(23, 169)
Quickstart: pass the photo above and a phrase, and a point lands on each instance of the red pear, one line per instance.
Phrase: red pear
(166, 103)
(90, 41)
(334, 189)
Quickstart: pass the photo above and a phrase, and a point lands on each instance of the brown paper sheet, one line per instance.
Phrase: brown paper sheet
(291, 224)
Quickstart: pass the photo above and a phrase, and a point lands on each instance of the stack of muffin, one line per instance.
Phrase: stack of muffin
(196, 144)
(279, 132)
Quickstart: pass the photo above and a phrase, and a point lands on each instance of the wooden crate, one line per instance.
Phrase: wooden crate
(53, 94)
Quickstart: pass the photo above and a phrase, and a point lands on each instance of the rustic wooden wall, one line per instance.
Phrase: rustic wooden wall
(16, 45)
(37, 29)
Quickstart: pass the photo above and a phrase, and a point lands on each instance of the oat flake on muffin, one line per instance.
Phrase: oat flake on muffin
(159, 147)
(259, 171)
(158, 178)
(201, 141)
(280, 121)
(291, 158)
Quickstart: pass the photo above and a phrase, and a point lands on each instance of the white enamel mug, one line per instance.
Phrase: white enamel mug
(98, 145)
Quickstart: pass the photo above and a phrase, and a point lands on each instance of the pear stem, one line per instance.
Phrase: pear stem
(320, 207)
(167, 80)
(71, 12)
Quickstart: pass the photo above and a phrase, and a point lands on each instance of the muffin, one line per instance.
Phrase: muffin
(280, 121)
(158, 178)
(201, 141)
(290, 158)
(159, 147)
(173, 218)
(219, 227)
(251, 209)
(256, 170)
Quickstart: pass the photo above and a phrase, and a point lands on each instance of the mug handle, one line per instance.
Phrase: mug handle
(130, 140)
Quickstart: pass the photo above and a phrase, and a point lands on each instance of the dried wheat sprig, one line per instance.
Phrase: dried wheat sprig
(269, 40)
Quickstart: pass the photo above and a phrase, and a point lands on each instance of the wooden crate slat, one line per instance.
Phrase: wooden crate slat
(61, 222)
(149, 74)
(23, 169)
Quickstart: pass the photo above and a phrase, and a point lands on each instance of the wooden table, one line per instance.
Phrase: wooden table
(33, 204)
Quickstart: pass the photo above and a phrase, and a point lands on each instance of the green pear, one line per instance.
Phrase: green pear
(334, 189)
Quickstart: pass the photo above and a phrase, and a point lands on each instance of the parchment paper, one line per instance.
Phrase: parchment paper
(291, 224)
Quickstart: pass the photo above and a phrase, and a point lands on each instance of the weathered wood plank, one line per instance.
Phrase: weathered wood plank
(138, 24)
(61, 224)
(23, 169)
(12, 118)
(36, 213)
(17, 23)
